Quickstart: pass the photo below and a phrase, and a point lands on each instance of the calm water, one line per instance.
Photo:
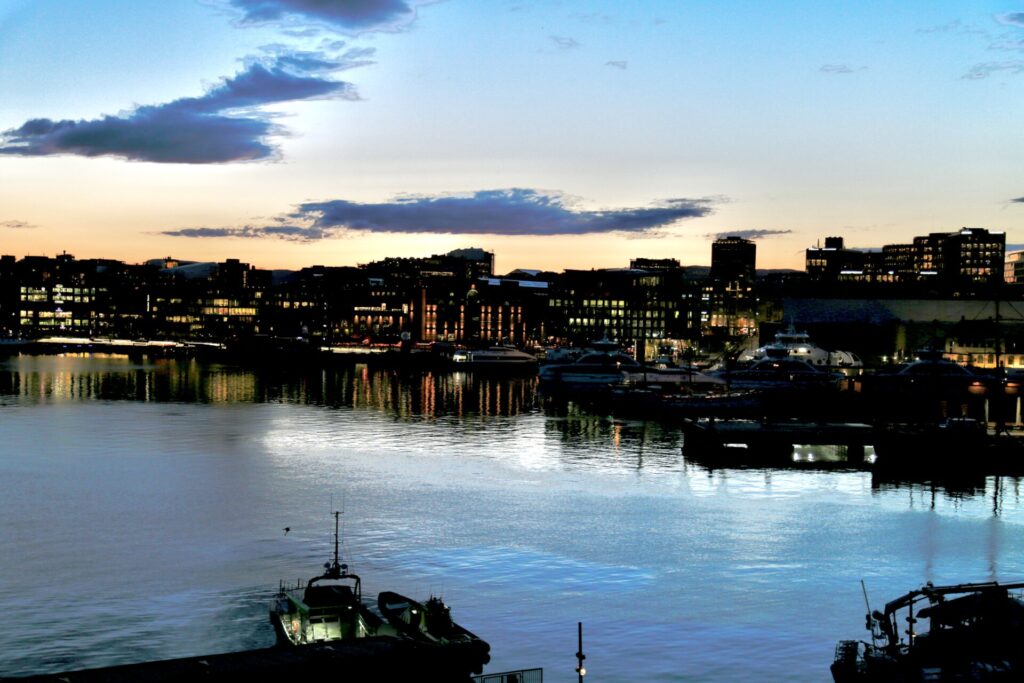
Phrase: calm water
(143, 506)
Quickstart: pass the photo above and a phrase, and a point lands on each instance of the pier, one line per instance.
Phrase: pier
(360, 659)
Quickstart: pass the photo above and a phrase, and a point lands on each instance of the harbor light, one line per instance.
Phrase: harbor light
(581, 670)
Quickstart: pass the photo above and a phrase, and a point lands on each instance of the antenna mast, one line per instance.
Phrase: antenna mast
(336, 516)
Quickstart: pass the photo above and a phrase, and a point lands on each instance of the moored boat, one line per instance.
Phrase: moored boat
(781, 374)
(429, 622)
(326, 608)
(974, 634)
(798, 346)
(493, 358)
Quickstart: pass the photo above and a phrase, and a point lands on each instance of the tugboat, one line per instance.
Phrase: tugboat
(974, 634)
(430, 623)
(328, 607)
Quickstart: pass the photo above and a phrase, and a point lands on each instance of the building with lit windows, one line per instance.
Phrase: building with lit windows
(1013, 268)
(954, 263)
(730, 301)
(634, 307)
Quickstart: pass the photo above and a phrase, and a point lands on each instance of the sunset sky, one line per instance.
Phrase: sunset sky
(558, 134)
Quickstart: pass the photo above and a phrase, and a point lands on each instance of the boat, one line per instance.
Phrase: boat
(798, 345)
(598, 369)
(780, 373)
(689, 376)
(429, 622)
(974, 634)
(328, 607)
(604, 369)
(493, 358)
(672, 402)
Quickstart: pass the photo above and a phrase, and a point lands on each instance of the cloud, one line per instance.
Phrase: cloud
(980, 71)
(1016, 45)
(295, 233)
(565, 42)
(511, 212)
(320, 61)
(1011, 19)
(618, 64)
(347, 16)
(957, 27)
(17, 225)
(840, 68)
(309, 32)
(749, 234)
(223, 125)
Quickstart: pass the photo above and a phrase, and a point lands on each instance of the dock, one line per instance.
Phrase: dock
(777, 438)
(376, 658)
(922, 449)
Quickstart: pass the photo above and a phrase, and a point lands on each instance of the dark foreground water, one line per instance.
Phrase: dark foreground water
(142, 509)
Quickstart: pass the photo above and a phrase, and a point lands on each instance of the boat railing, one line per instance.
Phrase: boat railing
(521, 676)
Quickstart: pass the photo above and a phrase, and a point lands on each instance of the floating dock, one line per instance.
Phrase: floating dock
(776, 439)
(919, 449)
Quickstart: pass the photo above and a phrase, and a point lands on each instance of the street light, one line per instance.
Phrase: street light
(580, 669)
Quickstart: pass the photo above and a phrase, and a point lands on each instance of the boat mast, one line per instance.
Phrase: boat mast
(336, 566)
(871, 618)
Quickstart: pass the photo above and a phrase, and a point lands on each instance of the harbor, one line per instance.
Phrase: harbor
(183, 475)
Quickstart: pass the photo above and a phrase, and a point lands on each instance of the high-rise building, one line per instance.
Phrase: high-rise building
(730, 301)
(733, 259)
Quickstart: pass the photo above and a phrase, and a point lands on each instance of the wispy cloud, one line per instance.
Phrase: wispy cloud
(755, 234)
(980, 71)
(1008, 39)
(17, 225)
(840, 68)
(320, 61)
(1011, 19)
(1016, 44)
(510, 212)
(956, 27)
(347, 16)
(618, 64)
(565, 42)
(226, 124)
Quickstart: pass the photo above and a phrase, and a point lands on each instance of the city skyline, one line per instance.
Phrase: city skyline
(557, 135)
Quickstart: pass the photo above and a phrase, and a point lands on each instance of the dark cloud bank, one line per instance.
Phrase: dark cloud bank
(488, 212)
(346, 15)
(223, 125)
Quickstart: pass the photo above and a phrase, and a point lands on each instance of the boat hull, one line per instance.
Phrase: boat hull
(430, 623)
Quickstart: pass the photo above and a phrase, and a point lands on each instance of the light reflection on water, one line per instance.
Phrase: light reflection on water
(144, 505)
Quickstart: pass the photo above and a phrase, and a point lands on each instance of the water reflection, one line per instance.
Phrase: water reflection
(585, 438)
(111, 377)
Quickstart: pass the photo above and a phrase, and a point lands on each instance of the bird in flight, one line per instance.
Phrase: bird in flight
(286, 530)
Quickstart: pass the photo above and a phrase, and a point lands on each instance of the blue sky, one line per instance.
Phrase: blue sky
(558, 134)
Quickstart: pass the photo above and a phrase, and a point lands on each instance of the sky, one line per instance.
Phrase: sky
(556, 133)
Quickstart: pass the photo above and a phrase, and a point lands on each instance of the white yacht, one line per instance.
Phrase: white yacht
(798, 346)
(493, 357)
